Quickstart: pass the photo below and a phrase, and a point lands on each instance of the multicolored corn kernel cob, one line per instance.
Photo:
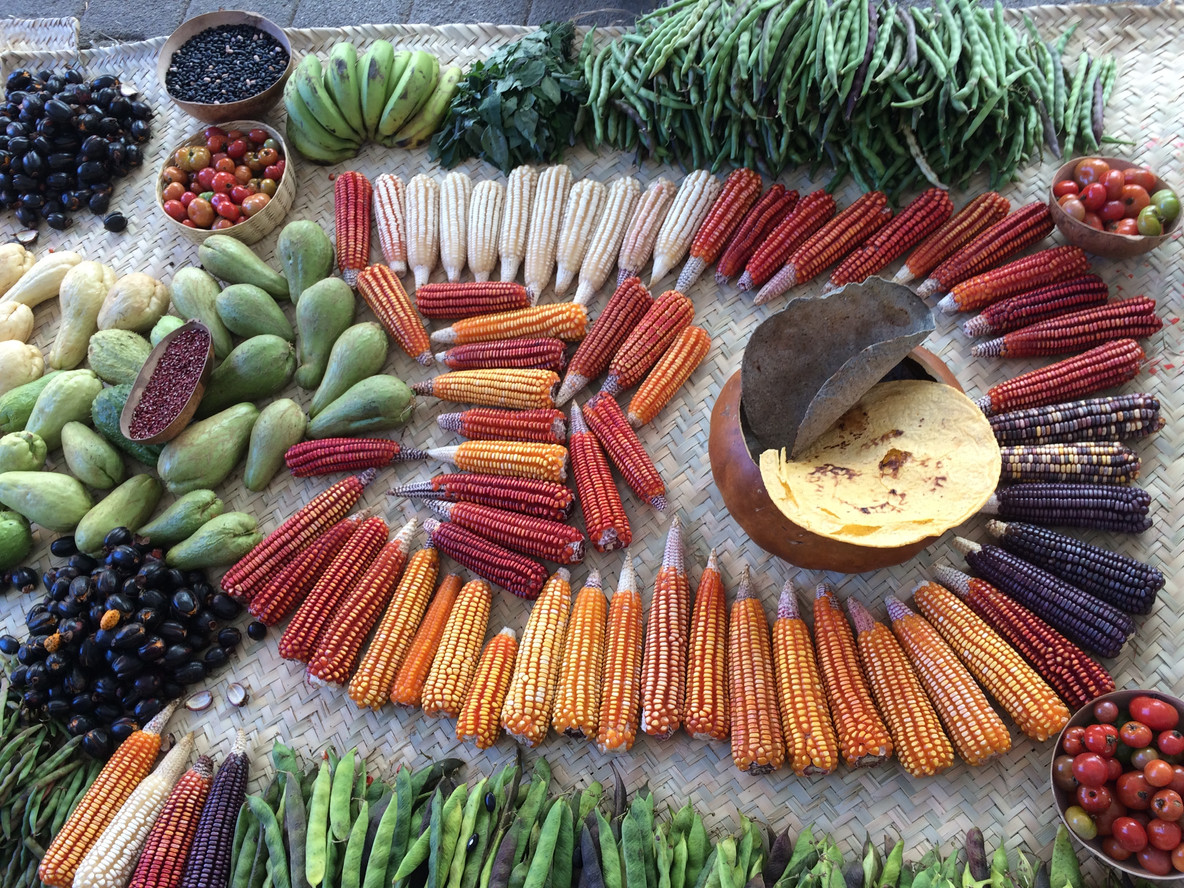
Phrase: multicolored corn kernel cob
(526, 714)
(606, 241)
(390, 221)
(456, 192)
(1040, 304)
(517, 459)
(1025, 697)
(513, 387)
(294, 581)
(1132, 318)
(1021, 229)
(517, 574)
(1128, 584)
(375, 678)
(1096, 506)
(1074, 675)
(671, 313)
(337, 650)
(624, 448)
(538, 537)
(668, 375)
(664, 664)
(1090, 622)
(808, 216)
(1103, 366)
(328, 455)
(638, 244)
(765, 215)
(600, 502)
(758, 746)
(624, 311)
(511, 247)
(352, 194)
(565, 320)
(925, 214)
(706, 714)
(422, 210)
(690, 207)
(303, 634)
(485, 226)
(470, 299)
(545, 499)
(577, 689)
(479, 718)
(1093, 419)
(584, 206)
(963, 227)
(864, 740)
(1099, 462)
(975, 729)
(546, 216)
(620, 701)
(167, 846)
(383, 292)
(455, 663)
(210, 858)
(810, 741)
(539, 352)
(740, 191)
(413, 674)
(1040, 269)
(543, 425)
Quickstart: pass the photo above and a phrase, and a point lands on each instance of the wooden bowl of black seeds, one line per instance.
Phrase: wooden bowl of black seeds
(229, 65)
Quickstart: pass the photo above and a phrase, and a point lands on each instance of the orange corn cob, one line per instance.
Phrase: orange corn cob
(539, 352)
(577, 689)
(162, 859)
(670, 314)
(668, 375)
(621, 686)
(515, 573)
(765, 215)
(977, 732)
(664, 666)
(758, 746)
(351, 215)
(516, 388)
(478, 720)
(413, 674)
(623, 447)
(383, 292)
(565, 320)
(604, 514)
(300, 638)
(328, 455)
(545, 499)
(372, 683)
(1102, 367)
(1133, 318)
(337, 651)
(526, 714)
(1019, 276)
(965, 225)
(863, 738)
(1038, 305)
(520, 459)
(921, 745)
(455, 663)
(542, 425)
(705, 712)
(625, 309)
(810, 741)
(469, 299)
(389, 198)
(809, 214)
(924, 215)
(741, 190)
(538, 537)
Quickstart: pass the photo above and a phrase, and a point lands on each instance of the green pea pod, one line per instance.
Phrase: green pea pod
(340, 795)
(316, 837)
(708, 876)
(425, 779)
(678, 863)
(415, 856)
(529, 812)
(544, 855)
(284, 758)
(662, 858)
(698, 849)
(1064, 868)
(244, 825)
(559, 875)
(274, 839)
(998, 876)
(589, 799)
(747, 842)
(296, 828)
(451, 817)
(244, 860)
(355, 846)
(633, 840)
(360, 786)
(333, 857)
(404, 802)
(382, 848)
(518, 875)
(455, 866)
(474, 860)
(497, 873)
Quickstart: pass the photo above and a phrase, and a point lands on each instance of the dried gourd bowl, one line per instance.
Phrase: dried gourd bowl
(256, 227)
(1064, 799)
(1105, 243)
(192, 401)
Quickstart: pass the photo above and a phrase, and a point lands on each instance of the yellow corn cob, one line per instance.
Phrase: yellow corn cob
(577, 691)
(511, 245)
(563, 320)
(422, 213)
(455, 662)
(389, 198)
(691, 204)
(810, 741)
(485, 225)
(516, 387)
(664, 666)
(638, 244)
(668, 375)
(706, 714)
(542, 240)
(758, 745)
(621, 686)
(518, 459)
(478, 720)
(584, 205)
(455, 193)
(526, 714)
(606, 241)
(409, 683)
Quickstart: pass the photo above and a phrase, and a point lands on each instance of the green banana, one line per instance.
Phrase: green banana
(312, 151)
(311, 139)
(375, 83)
(341, 80)
(418, 130)
(414, 89)
(310, 83)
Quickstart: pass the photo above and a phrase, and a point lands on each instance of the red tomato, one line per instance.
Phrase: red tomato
(237, 148)
(221, 223)
(224, 164)
(174, 174)
(225, 207)
(1157, 773)
(1105, 820)
(1112, 210)
(1113, 180)
(1062, 773)
(235, 134)
(1094, 799)
(1073, 207)
(216, 143)
(1090, 769)
(1093, 196)
(254, 204)
(1112, 849)
(1163, 834)
(1154, 713)
(1133, 791)
(1105, 712)
(274, 171)
(1115, 766)
(258, 136)
(187, 198)
(1177, 783)
(239, 193)
(1061, 189)
(212, 131)
(1093, 221)
(205, 178)
(1126, 226)
(1130, 834)
(1155, 861)
(1141, 176)
(1135, 734)
(222, 183)
(1090, 169)
(1170, 742)
(1102, 739)
(243, 174)
(188, 223)
(201, 213)
(172, 191)
(1178, 858)
(1166, 805)
(1134, 198)
(174, 209)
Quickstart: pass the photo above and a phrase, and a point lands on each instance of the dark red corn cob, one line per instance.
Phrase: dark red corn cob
(1038, 305)
(537, 537)
(1096, 506)
(625, 309)
(1040, 269)
(544, 425)
(809, 215)
(1074, 332)
(532, 352)
(608, 423)
(468, 299)
(1111, 418)
(544, 499)
(765, 215)
(965, 225)
(513, 572)
(600, 501)
(329, 455)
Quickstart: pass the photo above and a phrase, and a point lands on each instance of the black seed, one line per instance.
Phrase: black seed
(256, 630)
(115, 222)
(63, 547)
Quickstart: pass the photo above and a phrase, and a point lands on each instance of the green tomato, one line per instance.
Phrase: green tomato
(1166, 204)
(1080, 822)
(1149, 223)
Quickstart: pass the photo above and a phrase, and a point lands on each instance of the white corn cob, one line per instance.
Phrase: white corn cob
(423, 226)
(485, 223)
(543, 238)
(112, 858)
(389, 195)
(455, 192)
(606, 240)
(690, 207)
(511, 246)
(643, 228)
(584, 204)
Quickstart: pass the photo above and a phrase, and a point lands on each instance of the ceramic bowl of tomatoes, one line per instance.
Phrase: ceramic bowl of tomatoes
(1112, 207)
(234, 178)
(1117, 776)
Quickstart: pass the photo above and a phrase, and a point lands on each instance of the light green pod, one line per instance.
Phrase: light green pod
(280, 425)
(90, 457)
(128, 505)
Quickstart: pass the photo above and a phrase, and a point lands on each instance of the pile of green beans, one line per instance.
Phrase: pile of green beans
(890, 95)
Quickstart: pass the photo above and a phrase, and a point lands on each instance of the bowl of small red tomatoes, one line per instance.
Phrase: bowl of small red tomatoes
(1117, 776)
(1112, 207)
(233, 178)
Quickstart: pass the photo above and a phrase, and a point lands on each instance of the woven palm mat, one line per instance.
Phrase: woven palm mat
(1007, 797)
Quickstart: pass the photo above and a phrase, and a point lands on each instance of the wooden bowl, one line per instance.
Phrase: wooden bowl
(1105, 243)
(738, 477)
(254, 106)
(1064, 799)
(183, 419)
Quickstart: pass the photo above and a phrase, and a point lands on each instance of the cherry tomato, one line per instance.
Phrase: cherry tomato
(1155, 861)
(212, 130)
(1126, 226)
(1102, 739)
(174, 174)
(1134, 198)
(1106, 712)
(174, 209)
(1105, 820)
(255, 204)
(221, 223)
(1154, 713)
(1112, 211)
(222, 183)
(1073, 208)
(1080, 822)
(1177, 783)
(1115, 769)
(235, 134)
(224, 164)
(251, 159)
(1135, 734)
(187, 198)
(258, 136)
(196, 157)
(268, 156)
(1140, 176)
(1130, 833)
(1093, 221)
(1061, 189)
(216, 143)
(1093, 196)
(1089, 170)
(188, 223)
(205, 178)
(1112, 849)
(1158, 773)
(1062, 773)
(269, 187)
(1133, 791)
(1113, 181)
(172, 191)
(243, 174)
(1090, 769)
(1167, 204)
(1163, 834)
(239, 193)
(1140, 757)
(1094, 799)
(1148, 222)
(1167, 805)
(225, 207)
(1074, 740)
(1178, 858)
(201, 213)
(274, 171)
(237, 148)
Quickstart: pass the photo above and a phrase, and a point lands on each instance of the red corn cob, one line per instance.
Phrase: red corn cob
(1038, 305)
(765, 215)
(970, 221)
(612, 430)
(329, 455)
(740, 191)
(809, 215)
(1026, 273)
(625, 309)
(352, 193)
(604, 514)
(382, 290)
(533, 352)
(537, 537)
(670, 314)
(469, 299)
(544, 425)
(162, 859)
(543, 499)
(1132, 318)
(515, 573)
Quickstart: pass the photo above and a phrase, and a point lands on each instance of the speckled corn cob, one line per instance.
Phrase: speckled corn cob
(1034, 306)
(638, 245)
(478, 720)
(1100, 462)
(485, 225)
(538, 352)
(526, 714)
(542, 425)
(664, 664)
(1121, 417)
(577, 690)
(383, 292)
(520, 189)
(621, 688)
(546, 216)
(668, 375)
(455, 663)
(605, 245)
(740, 191)
(546, 499)
(389, 220)
(584, 206)
(565, 320)
(625, 309)
(623, 447)
(515, 573)
(516, 388)
(469, 299)
(163, 858)
(706, 711)
(670, 314)
(810, 742)
(351, 213)
(422, 210)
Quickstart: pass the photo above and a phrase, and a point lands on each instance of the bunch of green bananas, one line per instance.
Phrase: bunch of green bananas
(396, 98)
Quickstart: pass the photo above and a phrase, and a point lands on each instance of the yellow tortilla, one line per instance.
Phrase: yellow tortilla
(910, 460)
